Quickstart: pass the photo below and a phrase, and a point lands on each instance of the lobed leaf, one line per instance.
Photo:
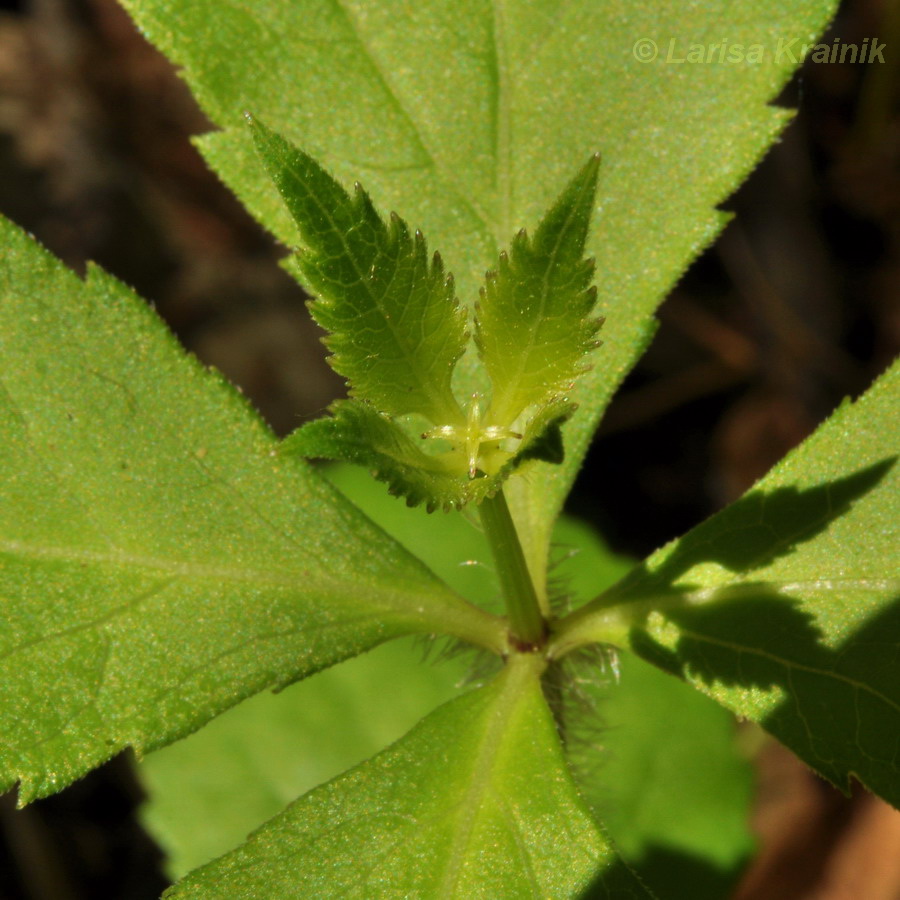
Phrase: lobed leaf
(532, 326)
(785, 607)
(395, 328)
(158, 560)
(448, 811)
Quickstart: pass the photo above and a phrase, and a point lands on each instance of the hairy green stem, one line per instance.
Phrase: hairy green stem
(525, 619)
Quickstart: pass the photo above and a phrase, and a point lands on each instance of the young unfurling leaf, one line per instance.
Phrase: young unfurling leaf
(533, 325)
(397, 332)
(355, 432)
(395, 327)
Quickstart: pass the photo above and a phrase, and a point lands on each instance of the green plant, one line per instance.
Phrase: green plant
(165, 558)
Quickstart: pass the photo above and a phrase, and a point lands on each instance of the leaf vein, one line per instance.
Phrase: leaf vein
(383, 79)
(790, 665)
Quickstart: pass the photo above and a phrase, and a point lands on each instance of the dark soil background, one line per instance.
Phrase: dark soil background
(794, 308)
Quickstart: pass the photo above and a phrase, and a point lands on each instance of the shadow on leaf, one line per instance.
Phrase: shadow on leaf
(754, 625)
(836, 707)
(765, 525)
(762, 651)
(667, 874)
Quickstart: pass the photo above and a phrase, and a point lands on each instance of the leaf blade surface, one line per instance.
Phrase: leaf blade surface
(448, 811)
(532, 326)
(158, 557)
(785, 606)
(534, 87)
(395, 328)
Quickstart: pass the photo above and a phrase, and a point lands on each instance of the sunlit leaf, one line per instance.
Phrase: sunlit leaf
(448, 811)
(467, 119)
(785, 607)
(158, 560)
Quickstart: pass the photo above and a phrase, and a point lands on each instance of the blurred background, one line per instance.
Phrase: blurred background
(794, 308)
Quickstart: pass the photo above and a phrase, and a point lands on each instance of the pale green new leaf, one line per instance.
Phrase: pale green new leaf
(532, 326)
(395, 328)
(785, 607)
(451, 810)
(355, 432)
(159, 561)
(467, 117)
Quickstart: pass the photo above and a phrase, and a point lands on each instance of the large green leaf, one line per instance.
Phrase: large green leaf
(467, 118)
(448, 811)
(210, 790)
(785, 607)
(158, 560)
(207, 792)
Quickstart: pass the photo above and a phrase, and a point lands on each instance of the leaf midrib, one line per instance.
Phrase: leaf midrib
(790, 665)
(590, 623)
(470, 808)
(739, 588)
(269, 576)
(500, 118)
(439, 170)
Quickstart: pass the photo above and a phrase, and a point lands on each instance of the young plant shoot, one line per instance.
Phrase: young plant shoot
(164, 557)
(396, 332)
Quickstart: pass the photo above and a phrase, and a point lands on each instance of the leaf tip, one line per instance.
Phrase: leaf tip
(591, 168)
